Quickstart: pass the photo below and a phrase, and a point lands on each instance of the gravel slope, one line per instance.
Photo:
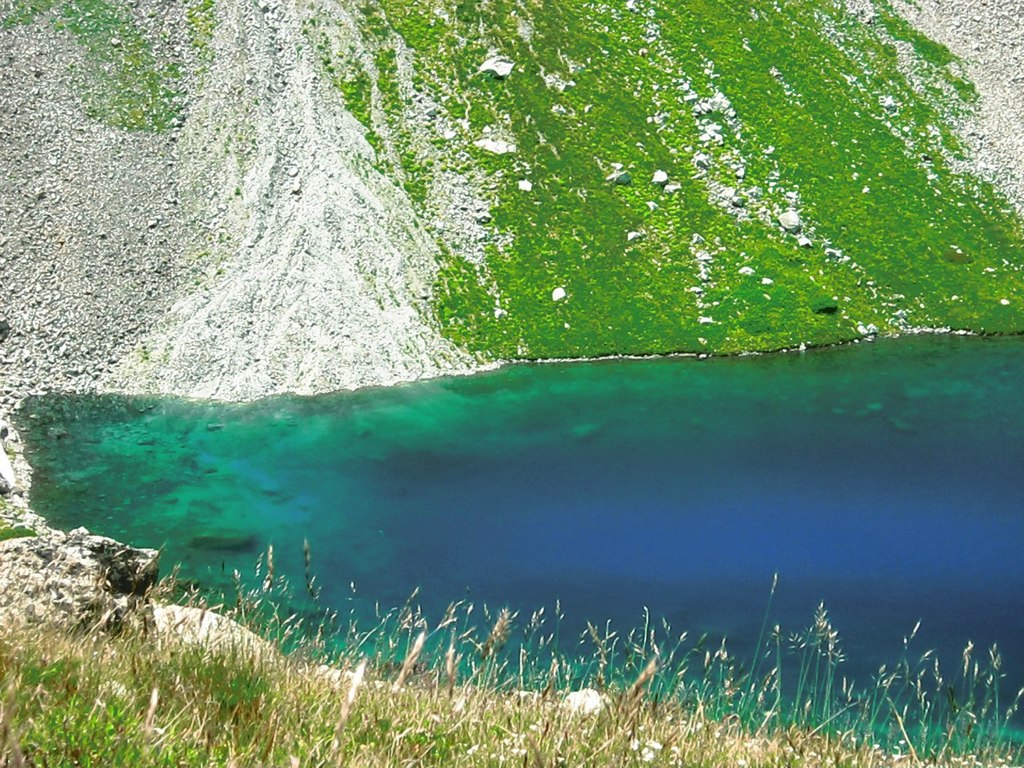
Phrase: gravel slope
(988, 36)
(320, 273)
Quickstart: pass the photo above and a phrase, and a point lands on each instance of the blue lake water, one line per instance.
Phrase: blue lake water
(884, 479)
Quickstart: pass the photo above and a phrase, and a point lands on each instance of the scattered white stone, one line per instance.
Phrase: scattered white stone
(889, 104)
(1005, 302)
(804, 242)
(496, 146)
(833, 253)
(558, 294)
(673, 188)
(766, 281)
(867, 330)
(790, 221)
(585, 702)
(660, 178)
(525, 185)
(631, 236)
(499, 313)
(652, 206)
(746, 270)
(705, 320)
(498, 67)
(702, 161)
(620, 177)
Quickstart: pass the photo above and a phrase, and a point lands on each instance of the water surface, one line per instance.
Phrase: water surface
(884, 479)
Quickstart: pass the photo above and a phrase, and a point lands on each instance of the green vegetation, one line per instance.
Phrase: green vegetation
(8, 531)
(122, 82)
(751, 109)
(202, 21)
(407, 692)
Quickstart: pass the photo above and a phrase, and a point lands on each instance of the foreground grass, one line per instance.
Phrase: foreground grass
(408, 694)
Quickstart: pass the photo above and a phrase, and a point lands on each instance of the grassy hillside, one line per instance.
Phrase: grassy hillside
(751, 109)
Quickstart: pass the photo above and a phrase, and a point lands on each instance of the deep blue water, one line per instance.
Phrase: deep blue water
(884, 479)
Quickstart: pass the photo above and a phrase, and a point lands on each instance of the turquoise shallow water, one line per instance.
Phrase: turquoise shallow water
(884, 479)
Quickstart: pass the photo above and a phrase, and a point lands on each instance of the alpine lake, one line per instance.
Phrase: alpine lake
(885, 480)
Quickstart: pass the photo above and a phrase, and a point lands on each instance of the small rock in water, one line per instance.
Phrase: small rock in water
(498, 67)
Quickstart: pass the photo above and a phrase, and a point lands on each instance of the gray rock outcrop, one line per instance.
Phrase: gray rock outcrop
(73, 579)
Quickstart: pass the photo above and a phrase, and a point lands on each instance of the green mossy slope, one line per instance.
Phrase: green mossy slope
(751, 108)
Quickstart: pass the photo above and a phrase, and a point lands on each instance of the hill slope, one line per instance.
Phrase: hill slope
(229, 199)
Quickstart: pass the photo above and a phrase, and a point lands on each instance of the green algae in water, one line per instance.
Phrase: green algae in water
(881, 478)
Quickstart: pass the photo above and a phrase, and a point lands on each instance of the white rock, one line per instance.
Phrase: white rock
(496, 146)
(498, 67)
(804, 241)
(673, 188)
(525, 185)
(790, 221)
(558, 294)
(622, 178)
(746, 270)
(702, 161)
(1005, 302)
(631, 236)
(660, 178)
(766, 281)
(6, 470)
(705, 320)
(585, 702)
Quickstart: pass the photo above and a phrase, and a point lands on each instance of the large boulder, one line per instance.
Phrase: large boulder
(73, 579)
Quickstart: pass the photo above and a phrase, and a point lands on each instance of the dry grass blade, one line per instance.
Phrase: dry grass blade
(346, 708)
(410, 661)
(154, 700)
(268, 582)
(451, 662)
(499, 634)
(636, 690)
(7, 738)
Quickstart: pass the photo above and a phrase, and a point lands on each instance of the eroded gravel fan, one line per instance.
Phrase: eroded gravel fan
(321, 271)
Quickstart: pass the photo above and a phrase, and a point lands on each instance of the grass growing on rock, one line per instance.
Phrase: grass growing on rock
(751, 109)
(123, 82)
(479, 688)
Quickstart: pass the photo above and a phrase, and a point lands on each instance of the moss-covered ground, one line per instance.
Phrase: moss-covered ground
(750, 109)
